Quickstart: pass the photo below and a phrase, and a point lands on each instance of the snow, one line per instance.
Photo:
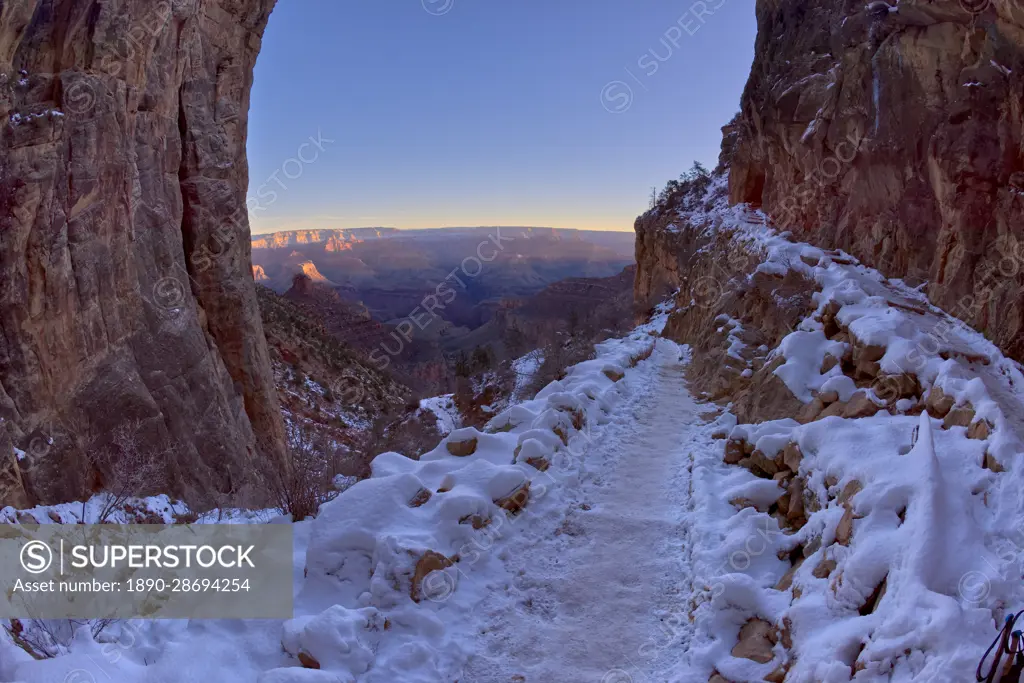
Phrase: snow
(937, 526)
(443, 408)
(355, 563)
(567, 607)
(640, 554)
(525, 368)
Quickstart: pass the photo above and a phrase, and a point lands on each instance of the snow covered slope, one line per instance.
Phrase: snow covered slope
(389, 574)
(871, 533)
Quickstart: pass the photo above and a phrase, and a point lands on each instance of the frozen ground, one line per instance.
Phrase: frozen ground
(641, 555)
(596, 590)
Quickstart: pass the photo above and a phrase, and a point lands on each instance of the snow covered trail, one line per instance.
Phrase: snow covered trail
(599, 595)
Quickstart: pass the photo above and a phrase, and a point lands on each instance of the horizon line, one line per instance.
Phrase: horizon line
(254, 231)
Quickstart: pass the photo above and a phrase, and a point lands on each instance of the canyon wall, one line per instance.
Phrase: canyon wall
(127, 300)
(895, 132)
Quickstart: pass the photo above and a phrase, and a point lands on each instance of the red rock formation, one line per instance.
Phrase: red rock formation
(124, 242)
(897, 135)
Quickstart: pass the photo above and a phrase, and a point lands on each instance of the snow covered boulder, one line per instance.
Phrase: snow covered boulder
(514, 502)
(756, 642)
(463, 442)
(337, 639)
(613, 372)
(428, 564)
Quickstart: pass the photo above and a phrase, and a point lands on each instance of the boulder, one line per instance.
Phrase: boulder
(762, 462)
(844, 532)
(980, 430)
(959, 417)
(992, 464)
(734, 452)
(429, 562)
(420, 499)
(860, 406)
(787, 579)
(792, 457)
(514, 502)
(756, 640)
(795, 513)
(809, 412)
(938, 403)
(824, 568)
(461, 445)
(829, 397)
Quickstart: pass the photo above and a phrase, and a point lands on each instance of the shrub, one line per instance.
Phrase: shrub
(306, 479)
(687, 191)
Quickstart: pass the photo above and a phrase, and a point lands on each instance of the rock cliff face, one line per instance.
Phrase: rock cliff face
(127, 293)
(895, 132)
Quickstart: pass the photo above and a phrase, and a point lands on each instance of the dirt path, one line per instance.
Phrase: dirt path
(599, 594)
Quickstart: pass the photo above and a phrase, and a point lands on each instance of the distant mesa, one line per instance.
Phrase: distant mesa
(309, 269)
(335, 240)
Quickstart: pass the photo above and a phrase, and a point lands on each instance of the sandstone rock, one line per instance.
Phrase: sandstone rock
(783, 503)
(128, 289)
(742, 503)
(759, 463)
(867, 369)
(756, 640)
(795, 512)
(420, 499)
(718, 678)
(766, 397)
(614, 375)
(938, 403)
(811, 502)
(891, 388)
(959, 417)
(734, 452)
(787, 579)
(308, 661)
(792, 457)
(979, 430)
(992, 464)
(860, 406)
(779, 675)
(539, 463)
(829, 363)
(867, 353)
(844, 532)
(514, 502)
(852, 488)
(834, 410)
(810, 411)
(829, 397)
(786, 633)
(477, 521)
(871, 604)
(852, 134)
(429, 562)
(463, 448)
(824, 569)
(12, 487)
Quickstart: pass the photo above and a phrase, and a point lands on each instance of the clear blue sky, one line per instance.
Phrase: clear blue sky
(488, 112)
